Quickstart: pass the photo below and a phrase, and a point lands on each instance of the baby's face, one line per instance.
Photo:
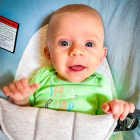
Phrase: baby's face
(76, 46)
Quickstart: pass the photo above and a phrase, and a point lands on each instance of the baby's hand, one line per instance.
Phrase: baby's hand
(118, 108)
(20, 91)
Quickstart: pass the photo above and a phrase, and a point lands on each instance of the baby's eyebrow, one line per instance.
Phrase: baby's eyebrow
(95, 36)
(59, 35)
(91, 35)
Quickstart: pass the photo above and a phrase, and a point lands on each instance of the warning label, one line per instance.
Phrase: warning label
(8, 34)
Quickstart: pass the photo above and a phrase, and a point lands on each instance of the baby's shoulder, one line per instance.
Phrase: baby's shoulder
(43, 75)
(99, 75)
(46, 71)
(100, 78)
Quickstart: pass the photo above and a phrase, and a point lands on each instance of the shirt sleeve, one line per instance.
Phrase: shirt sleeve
(104, 95)
(40, 78)
(34, 80)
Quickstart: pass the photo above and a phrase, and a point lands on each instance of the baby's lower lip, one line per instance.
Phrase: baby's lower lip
(76, 68)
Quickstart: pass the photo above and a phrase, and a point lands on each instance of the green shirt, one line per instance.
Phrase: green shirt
(84, 97)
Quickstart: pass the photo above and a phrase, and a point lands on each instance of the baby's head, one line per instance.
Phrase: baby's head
(75, 42)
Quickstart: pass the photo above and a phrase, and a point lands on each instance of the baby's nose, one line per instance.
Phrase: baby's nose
(76, 51)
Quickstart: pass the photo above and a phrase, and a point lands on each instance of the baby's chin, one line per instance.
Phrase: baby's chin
(72, 79)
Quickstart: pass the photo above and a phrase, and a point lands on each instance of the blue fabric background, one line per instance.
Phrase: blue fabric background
(122, 38)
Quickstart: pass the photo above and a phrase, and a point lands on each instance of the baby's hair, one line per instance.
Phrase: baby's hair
(74, 8)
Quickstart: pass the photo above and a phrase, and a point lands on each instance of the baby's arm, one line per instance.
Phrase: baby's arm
(118, 108)
(20, 91)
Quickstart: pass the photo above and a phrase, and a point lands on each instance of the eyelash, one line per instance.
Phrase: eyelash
(68, 44)
(91, 43)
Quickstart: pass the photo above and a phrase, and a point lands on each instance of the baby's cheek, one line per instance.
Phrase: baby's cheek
(94, 62)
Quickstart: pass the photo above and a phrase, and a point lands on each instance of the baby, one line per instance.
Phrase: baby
(75, 49)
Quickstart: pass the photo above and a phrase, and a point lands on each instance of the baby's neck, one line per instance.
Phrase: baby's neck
(61, 78)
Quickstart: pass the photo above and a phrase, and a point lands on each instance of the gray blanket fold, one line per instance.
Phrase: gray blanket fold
(28, 123)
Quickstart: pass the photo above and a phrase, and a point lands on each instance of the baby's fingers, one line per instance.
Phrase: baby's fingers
(125, 112)
(131, 107)
(105, 107)
(6, 91)
(33, 88)
(111, 107)
(13, 89)
(19, 86)
(10, 90)
(24, 82)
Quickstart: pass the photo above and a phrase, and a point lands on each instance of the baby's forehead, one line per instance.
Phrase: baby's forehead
(75, 9)
(61, 17)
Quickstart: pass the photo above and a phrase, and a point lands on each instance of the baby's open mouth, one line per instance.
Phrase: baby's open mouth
(77, 67)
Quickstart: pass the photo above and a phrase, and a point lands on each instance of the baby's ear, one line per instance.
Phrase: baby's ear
(47, 55)
(104, 53)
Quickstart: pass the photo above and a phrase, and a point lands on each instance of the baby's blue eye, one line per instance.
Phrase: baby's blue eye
(64, 43)
(89, 44)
